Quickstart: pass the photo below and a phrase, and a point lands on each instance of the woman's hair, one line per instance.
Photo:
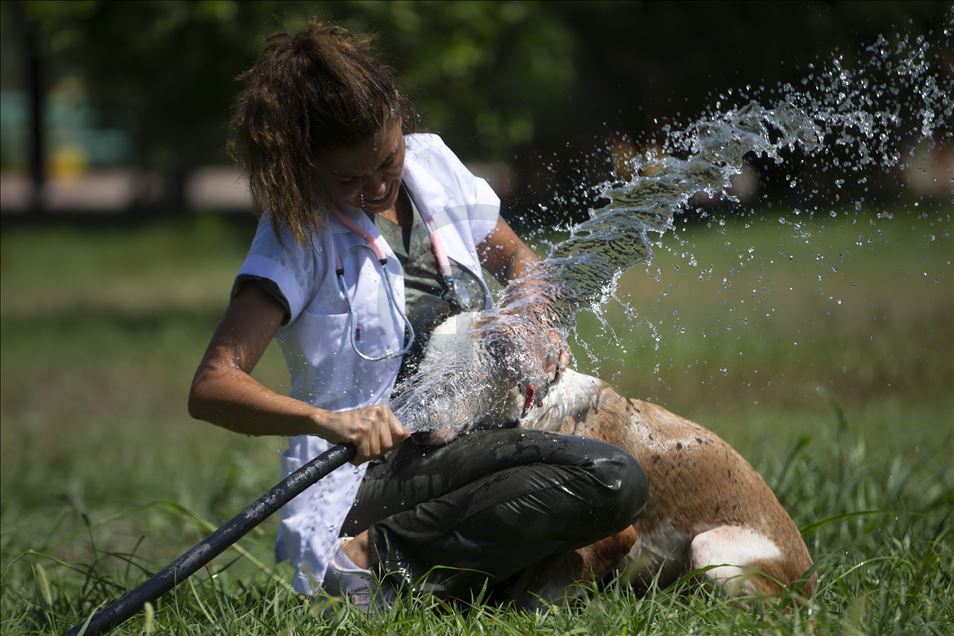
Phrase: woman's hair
(315, 90)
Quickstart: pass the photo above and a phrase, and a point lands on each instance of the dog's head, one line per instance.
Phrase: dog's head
(474, 375)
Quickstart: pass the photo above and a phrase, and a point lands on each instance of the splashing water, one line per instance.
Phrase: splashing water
(476, 377)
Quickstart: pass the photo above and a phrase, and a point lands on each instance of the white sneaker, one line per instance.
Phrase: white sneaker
(360, 587)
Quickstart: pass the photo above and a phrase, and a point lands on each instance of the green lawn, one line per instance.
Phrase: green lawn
(827, 359)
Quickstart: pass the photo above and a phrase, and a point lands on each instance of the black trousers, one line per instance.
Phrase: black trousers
(454, 519)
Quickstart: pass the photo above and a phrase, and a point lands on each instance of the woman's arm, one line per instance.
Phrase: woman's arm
(508, 258)
(504, 255)
(224, 393)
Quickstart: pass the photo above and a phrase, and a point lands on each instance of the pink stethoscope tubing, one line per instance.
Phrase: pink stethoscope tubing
(377, 245)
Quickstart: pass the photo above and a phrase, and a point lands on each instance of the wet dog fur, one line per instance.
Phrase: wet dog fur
(708, 510)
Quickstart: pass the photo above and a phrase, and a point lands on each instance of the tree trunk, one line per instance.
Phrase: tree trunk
(34, 72)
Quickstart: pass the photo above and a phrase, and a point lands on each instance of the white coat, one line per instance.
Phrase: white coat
(324, 369)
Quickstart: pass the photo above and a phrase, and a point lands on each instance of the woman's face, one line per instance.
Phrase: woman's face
(367, 176)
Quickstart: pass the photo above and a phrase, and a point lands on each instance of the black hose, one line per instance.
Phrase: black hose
(210, 547)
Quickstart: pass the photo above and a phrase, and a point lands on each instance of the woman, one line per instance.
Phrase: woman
(372, 236)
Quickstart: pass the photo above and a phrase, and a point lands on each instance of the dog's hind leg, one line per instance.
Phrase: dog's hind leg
(740, 561)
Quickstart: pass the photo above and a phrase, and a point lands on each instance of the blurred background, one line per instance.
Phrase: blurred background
(816, 317)
(121, 107)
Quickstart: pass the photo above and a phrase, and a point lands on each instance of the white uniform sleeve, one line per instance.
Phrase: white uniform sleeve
(484, 204)
(290, 266)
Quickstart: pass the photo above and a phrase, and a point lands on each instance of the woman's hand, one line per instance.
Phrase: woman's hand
(530, 303)
(372, 430)
(547, 357)
(557, 356)
(224, 392)
(530, 300)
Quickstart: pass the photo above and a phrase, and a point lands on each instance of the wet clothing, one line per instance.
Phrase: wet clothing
(490, 504)
(323, 367)
(486, 506)
(425, 303)
(451, 520)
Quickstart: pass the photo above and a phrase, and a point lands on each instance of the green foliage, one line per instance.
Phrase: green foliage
(453, 56)
(163, 70)
(496, 78)
(166, 70)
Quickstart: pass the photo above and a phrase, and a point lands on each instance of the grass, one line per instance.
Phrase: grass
(827, 359)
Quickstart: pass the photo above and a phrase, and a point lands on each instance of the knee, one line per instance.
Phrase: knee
(624, 485)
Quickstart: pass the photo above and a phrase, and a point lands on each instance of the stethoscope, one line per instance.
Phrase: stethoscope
(454, 291)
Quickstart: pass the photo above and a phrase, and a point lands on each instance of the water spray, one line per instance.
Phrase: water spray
(472, 377)
(475, 373)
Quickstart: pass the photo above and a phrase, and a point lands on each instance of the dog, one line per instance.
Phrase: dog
(708, 510)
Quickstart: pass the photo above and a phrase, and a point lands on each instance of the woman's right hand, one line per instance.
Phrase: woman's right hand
(224, 393)
(372, 430)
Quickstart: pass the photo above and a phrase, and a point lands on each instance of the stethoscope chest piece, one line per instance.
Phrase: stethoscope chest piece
(354, 330)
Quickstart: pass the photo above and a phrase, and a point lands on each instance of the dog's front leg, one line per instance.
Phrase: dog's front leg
(564, 575)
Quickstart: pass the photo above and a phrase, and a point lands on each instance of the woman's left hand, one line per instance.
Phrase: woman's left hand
(545, 357)
(557, 357)
(511, 261)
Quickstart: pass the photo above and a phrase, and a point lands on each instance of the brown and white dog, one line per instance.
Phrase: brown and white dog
(708, 508)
